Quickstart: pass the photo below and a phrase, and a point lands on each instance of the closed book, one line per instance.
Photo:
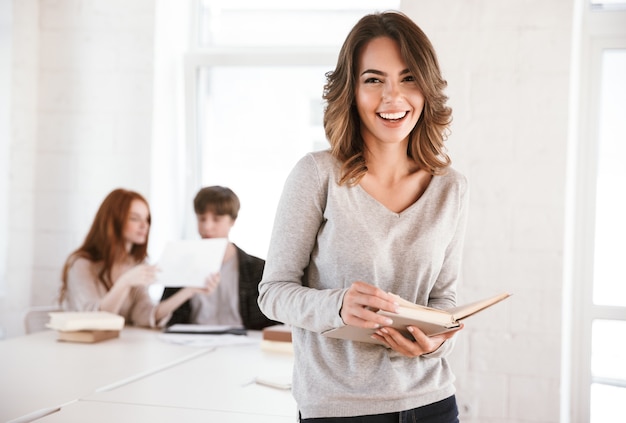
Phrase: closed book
(430, 320)
(276, 346)
(87, 336)
(280, 333)
(195, 329)
(85, 320)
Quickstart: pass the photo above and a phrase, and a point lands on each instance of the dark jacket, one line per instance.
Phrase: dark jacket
(250, 274)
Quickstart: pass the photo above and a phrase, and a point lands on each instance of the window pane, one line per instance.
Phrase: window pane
(609, 273)
(608, 350)
(256, 122)
(607, 403)
(282, 22)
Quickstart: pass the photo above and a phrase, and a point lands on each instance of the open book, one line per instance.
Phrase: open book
(430, 320)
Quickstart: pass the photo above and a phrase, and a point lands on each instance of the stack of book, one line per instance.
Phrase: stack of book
(277, 338)
(87, 326)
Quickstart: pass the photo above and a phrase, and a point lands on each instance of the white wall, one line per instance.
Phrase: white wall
(82, 118)
(6, 48)
(507, 65)
(82, 102)
(21, 152)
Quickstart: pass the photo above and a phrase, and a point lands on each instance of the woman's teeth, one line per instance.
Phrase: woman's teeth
(392, 116)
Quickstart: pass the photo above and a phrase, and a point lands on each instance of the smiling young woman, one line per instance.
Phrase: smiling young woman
(381, 211)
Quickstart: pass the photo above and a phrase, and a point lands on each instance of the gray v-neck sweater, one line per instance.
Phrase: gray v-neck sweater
(327, 236)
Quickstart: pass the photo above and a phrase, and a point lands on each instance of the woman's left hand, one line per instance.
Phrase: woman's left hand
(422, 345)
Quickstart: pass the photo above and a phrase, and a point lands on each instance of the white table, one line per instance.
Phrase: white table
(107, 412)
(220, 381)
(41, 375)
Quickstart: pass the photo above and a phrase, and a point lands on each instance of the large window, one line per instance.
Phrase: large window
(255, 86)
(608, 311)
(256, 121)
(598, 312)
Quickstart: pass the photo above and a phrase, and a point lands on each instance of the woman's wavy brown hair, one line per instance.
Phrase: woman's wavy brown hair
(105, 240)
(341, 119)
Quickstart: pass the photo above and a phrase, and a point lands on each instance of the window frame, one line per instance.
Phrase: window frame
(237, 56)
(600, 29)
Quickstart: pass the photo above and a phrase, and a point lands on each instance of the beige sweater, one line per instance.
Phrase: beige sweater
(326, 236)
(84, 292)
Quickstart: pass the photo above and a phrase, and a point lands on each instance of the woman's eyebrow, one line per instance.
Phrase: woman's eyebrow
(374, 71)
(377, 72)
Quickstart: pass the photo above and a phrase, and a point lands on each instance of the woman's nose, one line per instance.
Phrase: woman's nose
(390, 91)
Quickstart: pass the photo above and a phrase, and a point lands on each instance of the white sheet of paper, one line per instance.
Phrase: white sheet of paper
(208, 341)
(189, 262)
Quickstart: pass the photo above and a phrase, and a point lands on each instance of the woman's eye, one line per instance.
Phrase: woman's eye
(137, 219)
(409, 78)
(372, 80)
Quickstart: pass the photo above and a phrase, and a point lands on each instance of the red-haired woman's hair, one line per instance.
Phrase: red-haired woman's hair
(105, 240)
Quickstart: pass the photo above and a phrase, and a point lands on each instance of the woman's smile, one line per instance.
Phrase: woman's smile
(393, 116)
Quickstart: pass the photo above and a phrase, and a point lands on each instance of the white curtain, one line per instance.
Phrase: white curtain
(169, 201)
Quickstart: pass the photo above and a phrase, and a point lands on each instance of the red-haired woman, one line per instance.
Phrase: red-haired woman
(109, 271)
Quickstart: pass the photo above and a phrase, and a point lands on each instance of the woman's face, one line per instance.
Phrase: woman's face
(388, 98)
(137, 226)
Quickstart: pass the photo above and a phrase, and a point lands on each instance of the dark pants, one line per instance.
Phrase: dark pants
(444, 411)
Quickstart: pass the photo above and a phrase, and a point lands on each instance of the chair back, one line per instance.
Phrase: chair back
(36, 317)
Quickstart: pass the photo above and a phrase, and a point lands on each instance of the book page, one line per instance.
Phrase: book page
(423, 313)
(190, 262)
(400, 323)
(467, 310)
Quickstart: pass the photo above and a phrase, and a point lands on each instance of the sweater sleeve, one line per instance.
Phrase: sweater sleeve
(443, 294)
(143, 309)
(83, 293)
(283, 295)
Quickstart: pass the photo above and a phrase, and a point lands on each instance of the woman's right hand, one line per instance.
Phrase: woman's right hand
(140, 275)
(210, 284)
(362, 301)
